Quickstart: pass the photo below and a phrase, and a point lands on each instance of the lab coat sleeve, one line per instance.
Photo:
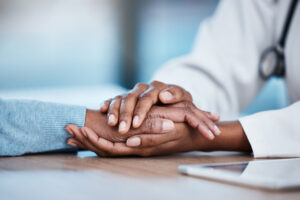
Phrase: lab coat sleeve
(274, 133)
(28, 126)
(221, 72)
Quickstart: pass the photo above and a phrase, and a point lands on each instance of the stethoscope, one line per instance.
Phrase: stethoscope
(272, 60)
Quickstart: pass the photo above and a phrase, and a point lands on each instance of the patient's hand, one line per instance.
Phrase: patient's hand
(98, 122)
(152, 140)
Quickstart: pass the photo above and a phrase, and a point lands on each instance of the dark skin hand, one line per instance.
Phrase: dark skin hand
(181, 139)
(133, 107)
(97, 122)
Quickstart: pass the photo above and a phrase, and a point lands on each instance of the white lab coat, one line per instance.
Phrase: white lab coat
(222, 71)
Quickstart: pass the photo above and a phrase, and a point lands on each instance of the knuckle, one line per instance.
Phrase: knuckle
(187, 109)
(150, 141)
(145, 98)
(141, 85)
(147, 95)
(149, 125)
(124, 114)
(129, 96)
(177, 89)
(118, 97)
(113, 110)
(209, 123)
(187, 104)
(155, 83)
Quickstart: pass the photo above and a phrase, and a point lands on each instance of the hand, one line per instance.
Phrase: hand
(186, 111)
(181, 139)
(139, 101)
(180, 112)
(97, 121)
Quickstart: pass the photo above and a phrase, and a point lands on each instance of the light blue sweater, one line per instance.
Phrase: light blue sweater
(32, 126)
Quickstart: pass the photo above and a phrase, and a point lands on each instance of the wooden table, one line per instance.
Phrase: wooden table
(85, 176)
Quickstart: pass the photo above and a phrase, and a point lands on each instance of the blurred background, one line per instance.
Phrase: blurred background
(62, 43)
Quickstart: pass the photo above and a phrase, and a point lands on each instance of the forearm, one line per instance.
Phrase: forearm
(232, 138)
(32, 126)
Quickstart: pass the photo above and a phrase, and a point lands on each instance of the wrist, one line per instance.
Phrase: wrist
(232, 138)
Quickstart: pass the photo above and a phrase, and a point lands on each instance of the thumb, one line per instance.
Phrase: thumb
(174, 94)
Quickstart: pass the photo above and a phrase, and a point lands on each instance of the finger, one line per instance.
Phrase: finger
(164, 149)
(198, 119)
(105, 106)
(119, 149)
(146, 101)
(213, 116)
(74, 143)
(70, 129)
(127, 107)
(193, 116)
(79, 136)
(155, 126)
(113, 111)
(90, 145)
(209, 123)
(151, 140)
(174, 94)
(110, 148)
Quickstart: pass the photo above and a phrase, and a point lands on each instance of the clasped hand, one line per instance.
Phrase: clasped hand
(154, 119)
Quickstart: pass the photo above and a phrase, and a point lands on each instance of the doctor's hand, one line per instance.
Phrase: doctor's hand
(132, 108)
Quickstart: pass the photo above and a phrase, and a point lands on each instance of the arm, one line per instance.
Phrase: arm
(33, 126)
(182, 138)
(221, 72)
(266, 134)
(274, 133)
(220, 75)
(233, 138)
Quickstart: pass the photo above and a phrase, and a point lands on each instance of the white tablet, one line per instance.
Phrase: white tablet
(278, 174)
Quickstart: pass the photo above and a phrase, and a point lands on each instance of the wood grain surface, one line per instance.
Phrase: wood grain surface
(86, 176)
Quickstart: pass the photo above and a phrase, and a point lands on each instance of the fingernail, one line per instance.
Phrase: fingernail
(168, 125)
(217, 130)
(215, 115)
(111, 119)
(84, 132)
(210, 135)
(72, 144)
(133, 142)
(135, 122)
(101, 107)
(166, 96)
(122, 127)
